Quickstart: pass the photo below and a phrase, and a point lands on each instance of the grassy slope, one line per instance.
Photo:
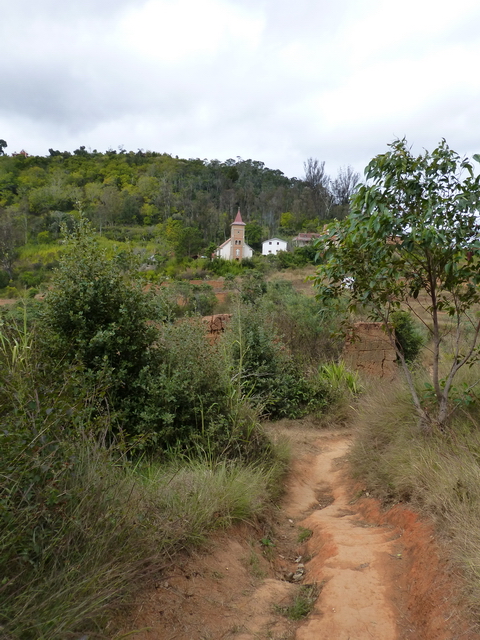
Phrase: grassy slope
(117, 526)
(438, 474)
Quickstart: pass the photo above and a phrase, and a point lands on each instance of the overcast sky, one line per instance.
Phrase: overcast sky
(269, 80)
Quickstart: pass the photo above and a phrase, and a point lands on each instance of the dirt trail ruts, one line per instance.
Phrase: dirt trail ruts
(351, 557)
(370, 590)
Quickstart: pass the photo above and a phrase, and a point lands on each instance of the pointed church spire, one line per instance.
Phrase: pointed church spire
(238, 219)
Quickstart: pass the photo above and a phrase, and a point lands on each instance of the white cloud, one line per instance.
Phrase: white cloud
(276, 82)
(186, 31)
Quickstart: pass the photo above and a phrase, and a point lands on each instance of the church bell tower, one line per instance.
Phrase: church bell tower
(237, 238)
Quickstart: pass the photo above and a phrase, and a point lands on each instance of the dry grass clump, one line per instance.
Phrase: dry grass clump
(438, 474)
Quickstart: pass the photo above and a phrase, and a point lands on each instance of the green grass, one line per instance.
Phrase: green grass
(340, 377)
(43, 253)
(304, 535)
(303, 602)
(117, 526)
(199, 496)
(81, 526)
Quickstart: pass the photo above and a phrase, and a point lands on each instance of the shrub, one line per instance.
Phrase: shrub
(309, 330)
(407, 335)
(299, 257)
(44, 237)
(4, 279)
(265, 370)
(182, 391)
(95, 315)
(195, 298)
(11, 292)
(31, 278)
(221, 267)
(253, 287)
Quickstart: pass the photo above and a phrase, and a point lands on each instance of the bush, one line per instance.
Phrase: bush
(407, 335)
(183, 390)
(265, 370)
(221, 267)
(4, 279)
(31, 278)
(308, 329)
(80, 527)
(299, 257)
(11, 292)
(253, 287)
(195, 298)
(95, 316)
(44, 237)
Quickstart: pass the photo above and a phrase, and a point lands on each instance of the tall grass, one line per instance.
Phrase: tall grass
(81, 526)
(439, 474)
(340, 377)
(46, 252)
(114, 527)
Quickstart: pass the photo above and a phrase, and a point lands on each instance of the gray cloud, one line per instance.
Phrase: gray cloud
(215, 78)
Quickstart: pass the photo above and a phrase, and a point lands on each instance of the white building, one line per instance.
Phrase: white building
(273, 246)
(235, 248)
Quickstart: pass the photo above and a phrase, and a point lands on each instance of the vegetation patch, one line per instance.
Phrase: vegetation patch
(125, 437)
(304, 535)
(437, 474)
(303, 602)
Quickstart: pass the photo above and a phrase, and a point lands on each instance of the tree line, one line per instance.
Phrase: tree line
(200, 197)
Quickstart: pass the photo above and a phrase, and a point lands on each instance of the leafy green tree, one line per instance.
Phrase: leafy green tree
(185, 241)
(288, 223)
(10, 240)
(253, 235)
(413, 240)
(96, 316)
(3, 144)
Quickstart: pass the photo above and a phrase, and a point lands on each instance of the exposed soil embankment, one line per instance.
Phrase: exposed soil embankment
(381, 575)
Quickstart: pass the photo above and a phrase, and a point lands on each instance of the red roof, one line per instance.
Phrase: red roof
(307, 236)
(238, 219)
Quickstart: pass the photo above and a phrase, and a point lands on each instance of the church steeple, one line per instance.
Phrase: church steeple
(238, 219)
(237, 238)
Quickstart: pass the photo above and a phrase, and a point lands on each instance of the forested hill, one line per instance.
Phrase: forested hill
(147, 188)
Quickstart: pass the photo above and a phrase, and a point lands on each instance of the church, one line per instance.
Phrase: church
(235, 248)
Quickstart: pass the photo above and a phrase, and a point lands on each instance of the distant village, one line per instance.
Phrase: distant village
(235, 248)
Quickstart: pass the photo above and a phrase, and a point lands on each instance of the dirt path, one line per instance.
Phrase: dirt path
(244, 584)
(350, 556)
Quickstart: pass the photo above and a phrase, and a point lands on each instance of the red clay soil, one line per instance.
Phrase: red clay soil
(381, 575)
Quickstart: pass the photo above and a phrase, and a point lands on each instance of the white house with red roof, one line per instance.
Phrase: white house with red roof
(235, 248)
